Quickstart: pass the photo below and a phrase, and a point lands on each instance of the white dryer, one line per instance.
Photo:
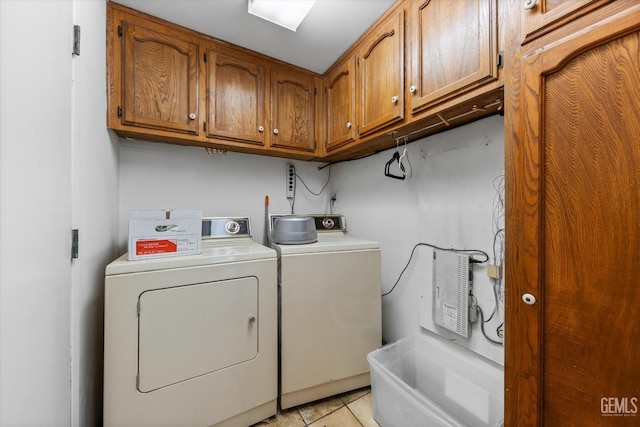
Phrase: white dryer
(192, 340)
(330, 312)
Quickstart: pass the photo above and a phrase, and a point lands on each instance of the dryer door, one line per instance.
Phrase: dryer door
(189, 331)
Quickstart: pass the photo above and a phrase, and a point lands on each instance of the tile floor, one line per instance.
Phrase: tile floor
(351, 409)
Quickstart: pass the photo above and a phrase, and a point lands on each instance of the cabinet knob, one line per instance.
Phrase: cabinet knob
(529, 299)
(529, 4)
(275, 131)
(394, 99)
(412, 89)
(348, 125)
(192, 116)
(260, 128)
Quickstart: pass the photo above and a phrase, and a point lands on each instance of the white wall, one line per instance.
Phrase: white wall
(35, 212)
(447, 202)
(58, 171)
(95, 211)
(164, 176)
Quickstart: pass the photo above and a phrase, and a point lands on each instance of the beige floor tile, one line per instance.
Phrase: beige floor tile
(363, 410)
(287, 418)
(354, 395)
(340, 418)
(316, 410)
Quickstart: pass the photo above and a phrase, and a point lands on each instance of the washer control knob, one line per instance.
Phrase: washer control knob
(529, 299)
(232, 227)
(328, 223)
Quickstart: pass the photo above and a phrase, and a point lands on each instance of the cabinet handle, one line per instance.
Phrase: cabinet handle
(529, 4)
(275, 131)
(348, 125)
(412, 89)
(394, 99)
(260, 128)
(529, 299)
(192, 116)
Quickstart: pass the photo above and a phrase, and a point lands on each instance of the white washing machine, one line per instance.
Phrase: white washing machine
(330, 312)
(192, 340)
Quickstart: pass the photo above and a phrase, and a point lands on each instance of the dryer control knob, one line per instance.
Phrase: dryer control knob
(328, 223)
(232, 227)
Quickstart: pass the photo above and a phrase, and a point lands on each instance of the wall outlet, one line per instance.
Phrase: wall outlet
(291, 181)
(494, 271)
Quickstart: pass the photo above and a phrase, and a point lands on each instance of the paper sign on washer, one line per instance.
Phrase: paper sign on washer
(158, 233)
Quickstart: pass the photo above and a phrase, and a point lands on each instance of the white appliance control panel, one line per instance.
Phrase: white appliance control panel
(218, 228)
(329, 222)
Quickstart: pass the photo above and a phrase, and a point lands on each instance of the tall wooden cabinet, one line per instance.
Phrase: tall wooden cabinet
(159, 79)
(572, 226)
(542, 16)
(453, 49)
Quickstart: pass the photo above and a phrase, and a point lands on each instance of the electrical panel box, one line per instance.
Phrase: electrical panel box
(451, 289)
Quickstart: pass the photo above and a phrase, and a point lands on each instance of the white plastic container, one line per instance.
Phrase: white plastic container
(417, 383)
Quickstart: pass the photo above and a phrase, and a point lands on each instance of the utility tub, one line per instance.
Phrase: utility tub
(419, 382)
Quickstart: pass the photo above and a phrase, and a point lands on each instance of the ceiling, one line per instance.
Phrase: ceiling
(331, 27)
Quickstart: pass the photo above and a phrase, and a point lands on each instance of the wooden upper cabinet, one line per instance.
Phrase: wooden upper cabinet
(159, 88)
(235, 98)
(293, 101)
(341, 105)
(453, 49)
(542, 16)
(380, 63)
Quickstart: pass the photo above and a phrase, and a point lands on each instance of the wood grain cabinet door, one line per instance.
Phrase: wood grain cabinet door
(292, 111)
(381, 76)
(573, 227)
(453, 49)
(235, 99)
(159, 80)
(541, 16)
(341, 97)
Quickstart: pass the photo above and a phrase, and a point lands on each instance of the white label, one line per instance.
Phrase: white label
(450, 316)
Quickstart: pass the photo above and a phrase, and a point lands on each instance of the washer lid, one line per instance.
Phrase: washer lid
(328, 242)
(213, 252)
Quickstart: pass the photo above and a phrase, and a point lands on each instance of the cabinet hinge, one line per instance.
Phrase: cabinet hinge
(74, 243)
(501, 59)
(204, 55)
(119, 111)
(119, 30)
(76, 40)
(357, 61)
(315, 90)
(204, 126)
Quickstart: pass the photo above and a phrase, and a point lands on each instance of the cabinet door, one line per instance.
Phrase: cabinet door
(160, 80)
(381, 76)
(341, 97)
(453, 49)
(235, 98)
(293, 111)
(541, 16)
(573, 203)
